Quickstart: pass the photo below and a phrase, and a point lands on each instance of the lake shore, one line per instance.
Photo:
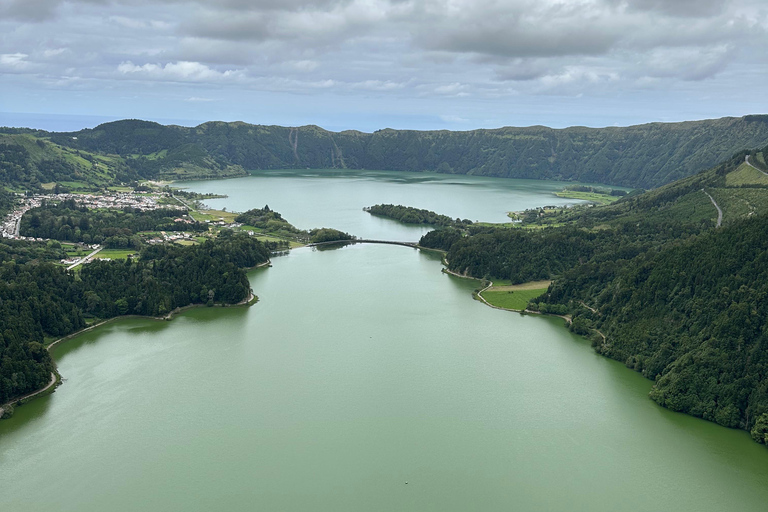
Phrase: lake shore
(56, 377)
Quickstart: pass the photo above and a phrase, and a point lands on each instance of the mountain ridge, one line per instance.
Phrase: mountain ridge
(640, 156)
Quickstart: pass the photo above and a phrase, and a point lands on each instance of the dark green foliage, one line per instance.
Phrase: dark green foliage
(32, 306)
(69, 222)
(317, 236)
(691, 316)
(760, 430)
(27, 161)
(7, 201)
(409, 215)
(441, 239)
(125, 138)
(522, 256)
(42, 300)
(636, 156)
(272, 222)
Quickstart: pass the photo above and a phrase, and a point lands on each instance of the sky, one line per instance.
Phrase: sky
(372, 64)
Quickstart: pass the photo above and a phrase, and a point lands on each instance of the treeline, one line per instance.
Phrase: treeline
(410, 215)
(597, 190)
(67, 221)
(653, 285)
(642, 156)
(272, 222)
(693, 317)
(320, 235)
(40, 300)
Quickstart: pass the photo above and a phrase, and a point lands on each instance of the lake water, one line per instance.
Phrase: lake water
(361, 369)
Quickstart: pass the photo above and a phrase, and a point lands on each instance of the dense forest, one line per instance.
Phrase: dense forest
(652, 282)
(410, 215)
(69, 222)
(321, 235)
(642, 156)
(271, 221)
(39, 300)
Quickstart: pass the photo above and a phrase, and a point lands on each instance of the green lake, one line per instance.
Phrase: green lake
(364, 380)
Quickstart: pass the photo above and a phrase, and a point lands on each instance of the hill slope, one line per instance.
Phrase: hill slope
(657, 285)
(643, 156)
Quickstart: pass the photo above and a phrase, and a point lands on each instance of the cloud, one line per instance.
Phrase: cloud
(386, 50)
(14, 62)
(182, 71)
(197, 99)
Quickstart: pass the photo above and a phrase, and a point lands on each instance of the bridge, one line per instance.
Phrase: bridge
(413, 245)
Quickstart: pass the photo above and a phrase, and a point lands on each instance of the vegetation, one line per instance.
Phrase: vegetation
(29, 161)
(597, 195)
(321, 235)
(67, 221)
(643, 156)
(652, 282)
(39, 300)
(511, 299)
(271, 222)
(409, 215)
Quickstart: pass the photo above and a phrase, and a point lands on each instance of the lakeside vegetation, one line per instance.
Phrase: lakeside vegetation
(654, 284)
(623, 270)
(39, 301)
(642, 156)
(410, 215)
(516, 300)
(597, 195)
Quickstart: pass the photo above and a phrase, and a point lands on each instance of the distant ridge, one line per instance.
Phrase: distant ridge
(641, 156)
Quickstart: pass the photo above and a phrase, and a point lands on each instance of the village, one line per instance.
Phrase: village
(119, 200)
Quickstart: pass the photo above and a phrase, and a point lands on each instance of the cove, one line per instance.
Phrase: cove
(360, 369)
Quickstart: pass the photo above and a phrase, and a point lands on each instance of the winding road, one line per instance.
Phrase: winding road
(746, 161)
(719, 211)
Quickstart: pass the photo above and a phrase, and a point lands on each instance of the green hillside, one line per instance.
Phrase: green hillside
(643, 156)
(29, 160)
(655, 284)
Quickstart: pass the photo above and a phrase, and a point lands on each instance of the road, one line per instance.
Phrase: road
(183, 202)
(746, 161)
(86, 259)
(719, 211)
(30, 395)
(364, 241)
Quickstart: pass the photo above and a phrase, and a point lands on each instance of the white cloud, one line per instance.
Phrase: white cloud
(182, 71)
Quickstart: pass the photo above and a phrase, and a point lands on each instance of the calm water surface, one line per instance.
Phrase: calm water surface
(361, 369)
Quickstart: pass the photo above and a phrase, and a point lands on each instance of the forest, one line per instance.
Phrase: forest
(410, 215)
(642, 156)
(39, 301)
(654, 285)
(69, 222)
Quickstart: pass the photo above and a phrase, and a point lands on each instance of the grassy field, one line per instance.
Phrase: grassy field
(115, 254)
(738, 203)
(745, 175)
(592, 197)
(213, 215)
(511, 299)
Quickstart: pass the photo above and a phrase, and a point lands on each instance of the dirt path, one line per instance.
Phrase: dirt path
(29, 395)
(567, 318)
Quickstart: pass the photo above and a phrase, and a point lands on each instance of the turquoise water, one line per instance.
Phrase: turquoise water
(361, 369)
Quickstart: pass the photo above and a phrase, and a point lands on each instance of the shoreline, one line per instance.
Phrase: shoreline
(478, 295)
(56, 379)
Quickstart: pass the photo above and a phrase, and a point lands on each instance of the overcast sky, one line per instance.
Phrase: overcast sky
(370, 64)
